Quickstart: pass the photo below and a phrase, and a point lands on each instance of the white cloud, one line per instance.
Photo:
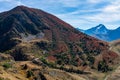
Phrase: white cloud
(60, 3)
(95, 1)
(15, 2)
(6, 0)
(19, 2)
(70, 3)
(84, 11)
(108, 14)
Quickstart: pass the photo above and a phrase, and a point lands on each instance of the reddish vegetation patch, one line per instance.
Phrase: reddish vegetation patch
(61, 47)
(109, 56)
(51, 58)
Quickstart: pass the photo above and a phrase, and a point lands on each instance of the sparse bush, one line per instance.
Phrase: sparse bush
(7, 65)
(102, 66)
(91, 59)
(43, 60)
(84, 64)
(24, 67)
(29, 74)
(1, 78)
(4, 78)
(42, 76)
(43, 45)
(59, 61)
(50, 64)
(71, 70)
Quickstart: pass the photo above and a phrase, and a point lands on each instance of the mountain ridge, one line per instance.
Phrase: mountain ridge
(103, 33)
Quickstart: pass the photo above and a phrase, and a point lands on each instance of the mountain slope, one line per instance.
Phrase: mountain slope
(114, 34)
(102, 33)
(27, 33)
(115, 46)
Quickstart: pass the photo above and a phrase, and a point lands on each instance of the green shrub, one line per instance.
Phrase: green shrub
(29, 74)
(43, 60)
(1, 79)
(51, 64)
(91, 59)
(102, 66)
(59, 61)
(7, 65)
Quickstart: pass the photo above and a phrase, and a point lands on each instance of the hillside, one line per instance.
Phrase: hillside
(28, 34)
(115, 46)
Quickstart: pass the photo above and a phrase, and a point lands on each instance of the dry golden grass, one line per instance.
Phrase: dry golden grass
(115, 46)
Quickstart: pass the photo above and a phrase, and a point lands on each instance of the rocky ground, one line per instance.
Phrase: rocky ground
(27, 70)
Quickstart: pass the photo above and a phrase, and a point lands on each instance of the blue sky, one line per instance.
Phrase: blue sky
(83, 14)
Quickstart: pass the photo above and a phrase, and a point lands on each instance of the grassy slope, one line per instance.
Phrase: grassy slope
(115, 46)
(17, 73)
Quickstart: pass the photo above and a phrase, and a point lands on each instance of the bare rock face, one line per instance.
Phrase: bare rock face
(37, 61)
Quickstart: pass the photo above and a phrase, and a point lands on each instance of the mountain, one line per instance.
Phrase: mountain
(114, 34)
(102, 33)
(100, 29)
(28, 34)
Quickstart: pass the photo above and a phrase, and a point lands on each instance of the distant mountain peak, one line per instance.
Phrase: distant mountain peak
(100, 29)
(101, 26)
(101, 32)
